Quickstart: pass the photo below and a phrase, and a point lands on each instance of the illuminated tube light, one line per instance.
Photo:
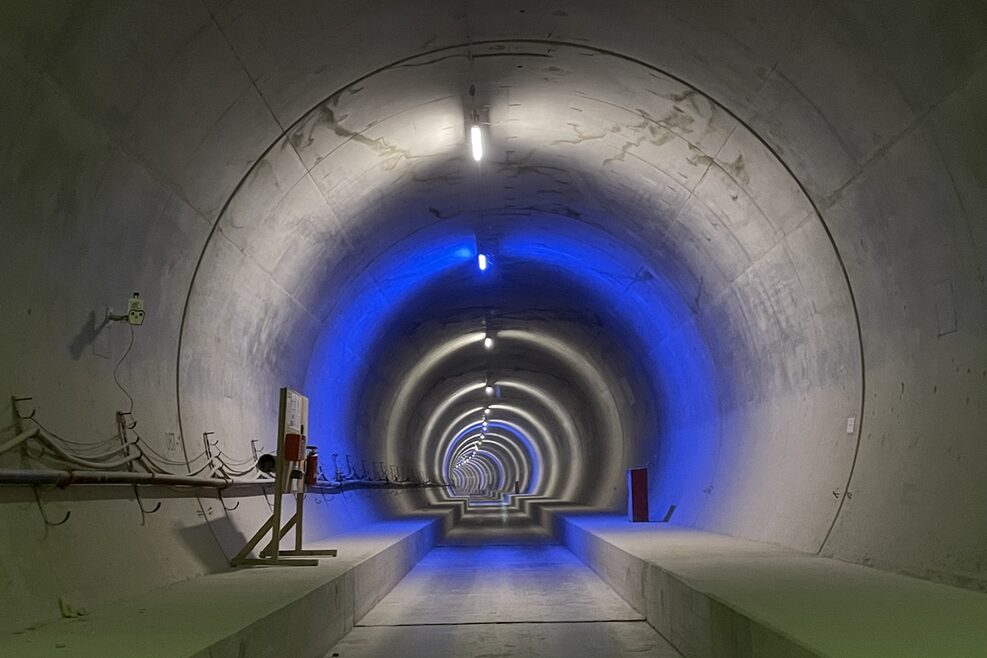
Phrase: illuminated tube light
(488, 343)
(482, 262)
(476, 142)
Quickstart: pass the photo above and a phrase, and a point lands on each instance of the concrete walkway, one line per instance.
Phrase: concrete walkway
(714, 595)
(527, 598)
(243, 612)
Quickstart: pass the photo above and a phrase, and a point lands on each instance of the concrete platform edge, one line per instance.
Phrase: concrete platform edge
(330, 611)
(696, 623)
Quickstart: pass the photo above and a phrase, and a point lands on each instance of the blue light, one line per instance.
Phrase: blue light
(676, 357)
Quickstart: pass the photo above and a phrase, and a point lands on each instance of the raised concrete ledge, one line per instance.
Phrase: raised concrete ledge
(718, 596)
(258, 611)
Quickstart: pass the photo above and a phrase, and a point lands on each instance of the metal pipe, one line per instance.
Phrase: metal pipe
(63, 479)
(13, 476)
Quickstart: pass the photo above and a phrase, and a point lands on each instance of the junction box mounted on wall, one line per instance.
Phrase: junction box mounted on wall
(135, 312)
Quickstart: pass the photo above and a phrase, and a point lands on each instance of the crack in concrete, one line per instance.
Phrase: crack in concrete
(325, 115)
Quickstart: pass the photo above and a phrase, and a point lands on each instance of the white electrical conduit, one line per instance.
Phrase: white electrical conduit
(214, 465)
(17, 440)
(51, 443)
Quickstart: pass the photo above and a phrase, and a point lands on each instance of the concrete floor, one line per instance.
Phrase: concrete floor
(597, 639)
(502, 589)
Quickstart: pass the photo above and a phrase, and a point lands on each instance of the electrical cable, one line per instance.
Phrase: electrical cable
(81, 444)
(236, 462)
(168, 460)
(238, 472)
(49, 444)
(65, 456)
(133, 425)
(151, 467)
(116, 368)
(97, 457)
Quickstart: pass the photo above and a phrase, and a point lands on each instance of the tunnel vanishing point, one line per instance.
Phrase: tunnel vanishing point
(508, 251)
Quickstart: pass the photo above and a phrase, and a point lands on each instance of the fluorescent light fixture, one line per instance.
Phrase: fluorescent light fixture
(482, 262)
(476, 142)
(488, 343)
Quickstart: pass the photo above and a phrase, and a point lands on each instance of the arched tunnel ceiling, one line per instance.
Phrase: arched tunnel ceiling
(636, 190)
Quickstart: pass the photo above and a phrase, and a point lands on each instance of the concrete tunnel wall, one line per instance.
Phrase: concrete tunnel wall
(275, 180)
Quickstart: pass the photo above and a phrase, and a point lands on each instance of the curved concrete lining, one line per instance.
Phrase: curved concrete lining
(752, 225)
(726, 281)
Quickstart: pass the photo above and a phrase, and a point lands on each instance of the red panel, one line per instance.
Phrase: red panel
(294, 450)
(637, 494)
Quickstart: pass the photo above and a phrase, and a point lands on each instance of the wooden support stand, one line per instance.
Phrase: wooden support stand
(292, 418)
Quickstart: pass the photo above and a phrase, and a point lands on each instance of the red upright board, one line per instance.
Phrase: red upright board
(637, 494)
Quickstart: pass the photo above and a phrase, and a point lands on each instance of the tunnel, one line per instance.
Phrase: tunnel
(509, 253)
